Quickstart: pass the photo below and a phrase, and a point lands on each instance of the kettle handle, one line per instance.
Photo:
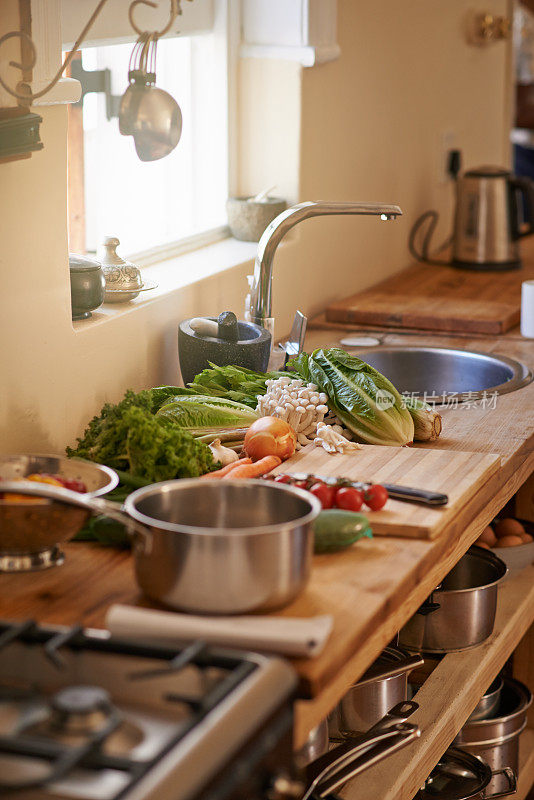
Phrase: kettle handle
(521, 187)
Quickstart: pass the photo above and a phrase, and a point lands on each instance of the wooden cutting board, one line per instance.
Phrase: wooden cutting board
(438, 298)
(456, 474)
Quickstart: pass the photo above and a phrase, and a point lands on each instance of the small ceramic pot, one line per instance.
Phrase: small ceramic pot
(249, 219)
(87, 285)
(252, 349)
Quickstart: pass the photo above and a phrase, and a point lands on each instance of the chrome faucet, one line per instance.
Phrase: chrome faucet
(261, 287)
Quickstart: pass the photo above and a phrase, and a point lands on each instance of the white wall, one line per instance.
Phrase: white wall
(363, 127)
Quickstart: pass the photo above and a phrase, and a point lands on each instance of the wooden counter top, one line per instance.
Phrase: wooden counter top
(371, 589)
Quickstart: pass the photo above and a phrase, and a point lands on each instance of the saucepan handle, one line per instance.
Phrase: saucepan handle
(428, 607)
(365, 754)
(406, 665)
(522, 187)
(512, 783)
(141, 536)
(95, 505)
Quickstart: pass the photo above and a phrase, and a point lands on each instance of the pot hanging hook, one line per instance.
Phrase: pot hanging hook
(28, 61)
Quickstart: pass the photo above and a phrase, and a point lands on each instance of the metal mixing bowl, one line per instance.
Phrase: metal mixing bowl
(30, 533)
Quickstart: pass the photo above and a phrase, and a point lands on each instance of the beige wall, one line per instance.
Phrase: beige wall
(365, 127)
(370, 126)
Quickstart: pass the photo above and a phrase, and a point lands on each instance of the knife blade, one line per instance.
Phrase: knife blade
(406, 493)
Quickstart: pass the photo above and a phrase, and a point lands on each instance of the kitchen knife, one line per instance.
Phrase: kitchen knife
(405, 493)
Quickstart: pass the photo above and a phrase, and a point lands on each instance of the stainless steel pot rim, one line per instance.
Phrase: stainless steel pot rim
(113, 478)
(524, 701)
(259, 530)
(479, 552)
(494, 687)
(497, 740)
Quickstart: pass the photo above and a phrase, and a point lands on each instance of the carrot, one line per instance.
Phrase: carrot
(254, 470)
(220, 473)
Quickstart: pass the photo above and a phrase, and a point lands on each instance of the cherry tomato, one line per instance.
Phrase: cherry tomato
(301, 484)
(349, 498)
(73, 484)
(324, 493)
(283, 479)
(375, 497)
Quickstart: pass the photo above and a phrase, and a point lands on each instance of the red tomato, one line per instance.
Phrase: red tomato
(73, 484)
(324, 493)
(283, 479)
(301, 484)
(349, 498)
(375, 497)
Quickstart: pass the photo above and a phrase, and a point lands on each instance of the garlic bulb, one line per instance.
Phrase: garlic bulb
(223, 454)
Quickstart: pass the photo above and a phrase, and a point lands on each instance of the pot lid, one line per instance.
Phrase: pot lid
(457, 776)
(487, 172)
(79, 263)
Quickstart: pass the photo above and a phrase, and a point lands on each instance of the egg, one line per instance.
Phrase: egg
(508, 527)
(485, 545)
(527, 538)
(487, 537)
(509, 541)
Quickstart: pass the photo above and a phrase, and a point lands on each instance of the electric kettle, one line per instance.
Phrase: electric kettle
(494, 209)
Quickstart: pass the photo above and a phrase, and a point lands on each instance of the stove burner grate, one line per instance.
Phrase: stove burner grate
(89, 710)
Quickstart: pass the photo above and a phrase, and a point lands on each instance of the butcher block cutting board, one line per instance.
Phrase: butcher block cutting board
(438, 298)
(456, 474)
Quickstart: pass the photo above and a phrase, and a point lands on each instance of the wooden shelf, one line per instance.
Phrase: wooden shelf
(526, 764)
(447, 698)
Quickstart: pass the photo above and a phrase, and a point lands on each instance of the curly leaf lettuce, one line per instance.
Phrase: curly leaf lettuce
(127, 436)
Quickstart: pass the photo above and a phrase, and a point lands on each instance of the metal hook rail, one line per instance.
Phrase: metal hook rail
(23, 91)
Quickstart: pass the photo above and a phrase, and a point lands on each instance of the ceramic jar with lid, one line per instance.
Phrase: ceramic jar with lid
(123, 279)
(87, 285)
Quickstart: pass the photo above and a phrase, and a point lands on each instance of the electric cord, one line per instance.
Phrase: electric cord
(423, 254)
(454, 164)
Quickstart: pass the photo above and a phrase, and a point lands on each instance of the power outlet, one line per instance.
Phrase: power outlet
(447, 142)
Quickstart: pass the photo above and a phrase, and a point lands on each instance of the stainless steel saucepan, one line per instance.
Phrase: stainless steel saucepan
(383, 685)
(211, 547)
(495, 739)
(460, 613)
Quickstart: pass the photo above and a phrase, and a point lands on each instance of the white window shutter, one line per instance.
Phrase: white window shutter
(299, 30)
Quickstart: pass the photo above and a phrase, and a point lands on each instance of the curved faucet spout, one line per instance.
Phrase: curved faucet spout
(261, 289)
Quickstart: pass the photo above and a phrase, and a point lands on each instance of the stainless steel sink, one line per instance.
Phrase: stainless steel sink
(439, 372)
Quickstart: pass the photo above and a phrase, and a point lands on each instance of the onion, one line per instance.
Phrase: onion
(270, 436)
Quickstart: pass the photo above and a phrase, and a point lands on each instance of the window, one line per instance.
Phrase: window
(151, 204)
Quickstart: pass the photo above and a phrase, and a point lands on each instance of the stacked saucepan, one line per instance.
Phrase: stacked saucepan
(458, 615)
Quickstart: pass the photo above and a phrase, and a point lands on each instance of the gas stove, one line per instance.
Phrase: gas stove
(87, 716)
